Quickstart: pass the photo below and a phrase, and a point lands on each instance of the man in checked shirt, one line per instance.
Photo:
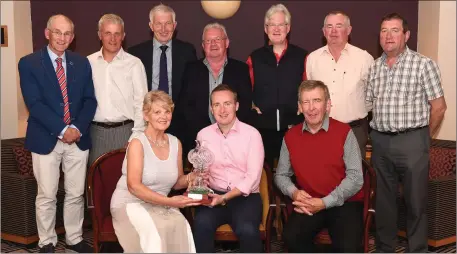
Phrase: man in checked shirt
(404, 91)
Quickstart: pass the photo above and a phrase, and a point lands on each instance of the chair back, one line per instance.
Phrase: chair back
(369, 191)
(104, 173)
(264, 194)
(369, 188)
(8, 161)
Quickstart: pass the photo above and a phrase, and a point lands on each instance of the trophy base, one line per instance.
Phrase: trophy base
(203, 198)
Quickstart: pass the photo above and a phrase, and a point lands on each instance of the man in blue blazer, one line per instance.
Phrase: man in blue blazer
(57, 88)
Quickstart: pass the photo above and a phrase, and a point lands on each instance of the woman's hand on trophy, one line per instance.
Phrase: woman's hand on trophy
(181, 201)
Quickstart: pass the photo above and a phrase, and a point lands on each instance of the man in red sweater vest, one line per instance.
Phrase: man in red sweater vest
(324, 156)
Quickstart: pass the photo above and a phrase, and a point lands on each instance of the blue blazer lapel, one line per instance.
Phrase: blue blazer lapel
(70, 72)
(49, 68)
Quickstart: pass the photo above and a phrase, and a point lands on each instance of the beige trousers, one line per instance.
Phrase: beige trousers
(147, 228)
(47, 172)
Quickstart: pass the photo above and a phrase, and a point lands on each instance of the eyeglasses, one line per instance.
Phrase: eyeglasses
(216, 40)
(282, 25)
(59, 33)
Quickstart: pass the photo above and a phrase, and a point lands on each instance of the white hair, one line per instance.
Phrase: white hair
(215, 25)
(52, 18)
(162, 8)
(112, 19)
(278, 8)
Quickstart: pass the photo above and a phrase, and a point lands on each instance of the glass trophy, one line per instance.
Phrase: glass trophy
(201, 158)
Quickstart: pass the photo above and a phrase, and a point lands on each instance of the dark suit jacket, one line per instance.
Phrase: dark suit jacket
(181, 53)
(193, 106)
(43, 98)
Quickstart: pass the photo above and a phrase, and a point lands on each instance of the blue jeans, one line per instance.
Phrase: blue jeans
(243, 214)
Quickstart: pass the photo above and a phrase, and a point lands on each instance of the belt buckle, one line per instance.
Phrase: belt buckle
(125, 122)
(109, 124)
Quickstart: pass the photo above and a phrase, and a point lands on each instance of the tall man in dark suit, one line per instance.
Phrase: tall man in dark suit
(202, 76)
(59, 94)
(164, 58)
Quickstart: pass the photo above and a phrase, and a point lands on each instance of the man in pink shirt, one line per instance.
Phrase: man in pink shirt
(234, 176)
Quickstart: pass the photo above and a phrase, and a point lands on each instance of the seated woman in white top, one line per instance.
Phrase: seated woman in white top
(144, 218)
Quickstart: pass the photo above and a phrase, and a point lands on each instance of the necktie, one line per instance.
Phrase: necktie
(60, 72)
(163, 78)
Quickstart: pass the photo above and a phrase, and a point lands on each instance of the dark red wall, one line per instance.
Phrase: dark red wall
(245, 28)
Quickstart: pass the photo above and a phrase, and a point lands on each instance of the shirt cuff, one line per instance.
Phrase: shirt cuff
(63, 132)
(290, 191)
(329, 201)
(74, 127)
(245, 190)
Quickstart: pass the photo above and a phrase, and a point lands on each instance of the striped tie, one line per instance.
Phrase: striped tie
(63, 87)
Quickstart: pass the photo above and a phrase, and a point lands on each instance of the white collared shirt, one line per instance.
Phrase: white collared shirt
(53, 57)
(120, 87)
(345, 79)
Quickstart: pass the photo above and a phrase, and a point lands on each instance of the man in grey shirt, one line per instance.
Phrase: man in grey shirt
(324, 156)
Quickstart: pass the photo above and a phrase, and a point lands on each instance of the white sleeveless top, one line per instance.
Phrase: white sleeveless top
(158, 175)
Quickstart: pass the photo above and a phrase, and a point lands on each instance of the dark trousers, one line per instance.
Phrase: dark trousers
(361, 134)
(272, 141)
(243, 214)
(404, 156)
(344, 224)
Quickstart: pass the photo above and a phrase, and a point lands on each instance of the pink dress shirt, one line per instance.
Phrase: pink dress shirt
(238, 157)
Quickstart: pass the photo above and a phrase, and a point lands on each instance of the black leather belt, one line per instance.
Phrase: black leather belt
(357, 123)
(112, 125)
(402, 132)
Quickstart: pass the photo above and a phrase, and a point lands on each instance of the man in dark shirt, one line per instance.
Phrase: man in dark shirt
(202, 76)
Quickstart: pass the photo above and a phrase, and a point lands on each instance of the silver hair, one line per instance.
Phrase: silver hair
(278, 8)
(53, 17)
(162, 8)
(112, 19)
(215, 25)
(347, 19)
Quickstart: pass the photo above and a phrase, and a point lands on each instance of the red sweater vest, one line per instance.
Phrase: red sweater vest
(317, 159)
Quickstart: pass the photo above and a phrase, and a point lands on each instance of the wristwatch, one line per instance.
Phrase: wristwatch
(224, 201)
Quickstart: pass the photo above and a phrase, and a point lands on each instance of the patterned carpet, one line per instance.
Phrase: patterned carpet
(276, 246)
